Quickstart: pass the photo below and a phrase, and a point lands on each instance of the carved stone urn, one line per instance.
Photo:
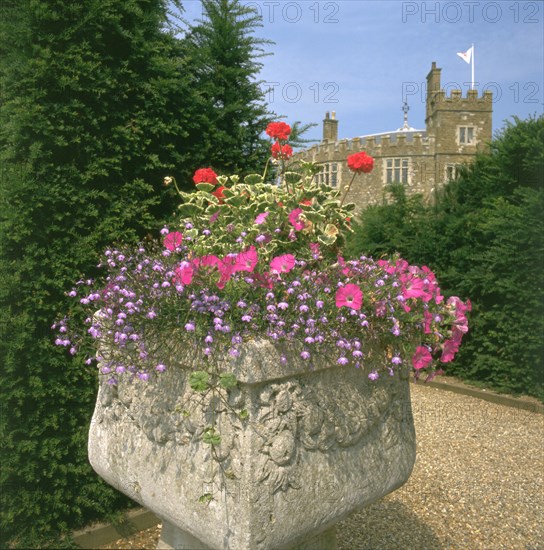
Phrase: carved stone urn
(299, 449)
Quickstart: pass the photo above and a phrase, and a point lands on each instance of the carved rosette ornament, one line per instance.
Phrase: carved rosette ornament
(326, 442)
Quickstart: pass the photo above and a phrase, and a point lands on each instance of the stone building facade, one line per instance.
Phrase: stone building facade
(456, 128)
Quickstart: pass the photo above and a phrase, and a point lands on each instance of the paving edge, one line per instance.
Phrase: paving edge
(142, 519)
(101, 534)
(486, 395)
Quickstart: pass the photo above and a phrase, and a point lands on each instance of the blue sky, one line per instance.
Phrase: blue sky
(363, 58)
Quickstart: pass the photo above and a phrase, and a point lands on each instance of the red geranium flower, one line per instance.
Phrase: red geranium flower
(219, 193)
(360, 162)
(282, 151)
(278, 130)
(205, 175)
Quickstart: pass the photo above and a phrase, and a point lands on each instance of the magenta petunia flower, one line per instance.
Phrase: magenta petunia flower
(208, 261)
(261, 218)
(246, 261)
(294, 219)
(451, 347)
(349, 296)
(173, 240)
(422, 358)
(413, 287)
(184, 273)
(282, 264)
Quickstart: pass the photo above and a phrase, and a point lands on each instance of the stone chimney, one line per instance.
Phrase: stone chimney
(433, 89)
(330, 127)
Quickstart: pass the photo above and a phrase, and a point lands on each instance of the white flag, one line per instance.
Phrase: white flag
(466, 56)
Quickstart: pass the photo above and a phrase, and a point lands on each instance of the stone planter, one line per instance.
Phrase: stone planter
(300, 450)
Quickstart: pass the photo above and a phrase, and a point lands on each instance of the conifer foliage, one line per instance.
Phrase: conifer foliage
(92, 100)
(225, 56)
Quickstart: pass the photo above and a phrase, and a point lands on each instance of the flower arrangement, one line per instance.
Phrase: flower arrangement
(252, 259)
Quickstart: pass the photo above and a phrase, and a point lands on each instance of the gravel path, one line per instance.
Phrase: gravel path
(478, 483)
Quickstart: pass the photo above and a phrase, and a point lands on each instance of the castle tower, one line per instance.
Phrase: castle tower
(457, 127)
(330, 127)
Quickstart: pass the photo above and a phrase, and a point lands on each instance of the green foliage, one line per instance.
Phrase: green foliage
(243, 202)
(483, 238)
(225, 55)
(227, 380)
(211, 436)
(91, 105)
(298, 130)
(199, 380)
(505, 275)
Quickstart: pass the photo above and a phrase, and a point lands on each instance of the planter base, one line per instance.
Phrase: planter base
(173, 538)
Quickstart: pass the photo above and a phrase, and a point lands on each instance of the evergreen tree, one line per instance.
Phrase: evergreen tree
(95, 112)
(491, 224)
(225, 65)
(483, 238)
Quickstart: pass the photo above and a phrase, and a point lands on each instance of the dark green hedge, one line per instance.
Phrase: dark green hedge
(91, 99)
(483, 235)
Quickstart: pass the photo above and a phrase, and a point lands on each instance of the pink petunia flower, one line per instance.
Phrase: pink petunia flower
(349, 296)
(386, 266)
(247, 260)
(264, 280)
(414, 287)
(261, 218)
(314, 247)
(422, 358)
(208, 261)
(342, 263)
(294, 219)
(428, 318)
(184, 273)
(173, 240)
(451, 347)
(226, 268)
(282, 264)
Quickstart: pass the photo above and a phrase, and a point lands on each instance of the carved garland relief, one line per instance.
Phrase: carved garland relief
(288, 417)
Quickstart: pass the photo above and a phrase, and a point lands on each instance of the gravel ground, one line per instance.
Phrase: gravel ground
(478, 483)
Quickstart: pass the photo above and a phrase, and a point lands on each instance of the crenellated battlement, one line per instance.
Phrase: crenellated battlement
(456, 96)
(376, 145)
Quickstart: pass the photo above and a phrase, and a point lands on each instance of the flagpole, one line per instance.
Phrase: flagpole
(472, 56)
